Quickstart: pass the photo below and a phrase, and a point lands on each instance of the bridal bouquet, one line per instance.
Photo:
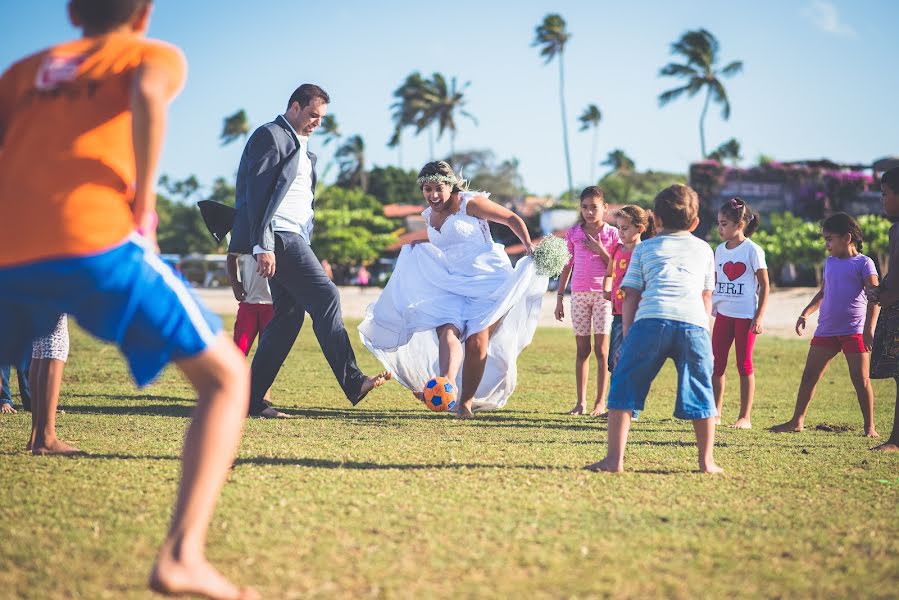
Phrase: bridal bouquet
(551, 256)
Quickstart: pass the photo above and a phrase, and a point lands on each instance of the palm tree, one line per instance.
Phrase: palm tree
(444, 101)
(700, 49)
(330, 129)
(351, 161)
(590, 118)
(620, 162)
(234, 127)
(729, 150)
(414, 96)
(552, 36)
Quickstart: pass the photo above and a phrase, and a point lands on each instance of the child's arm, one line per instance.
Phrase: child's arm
(707, 302)
(871, 315)
(484, 208)
(764, 286)
(810, 309)
(560, 295)
(629, 308)
(151, 89)
(240, 293)
(607, 280)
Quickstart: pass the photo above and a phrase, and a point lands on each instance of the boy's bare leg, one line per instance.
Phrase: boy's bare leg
(718, 390)
(473, 364)
(44, 401)
(601, 350)
(892, 444)
(705, 444)
(619, 426)
(221, 377)
(815, 365)
(859, 367)
(581, 372)
(747, 392)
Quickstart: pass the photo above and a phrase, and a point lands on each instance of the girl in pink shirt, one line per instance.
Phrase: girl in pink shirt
(590, 243)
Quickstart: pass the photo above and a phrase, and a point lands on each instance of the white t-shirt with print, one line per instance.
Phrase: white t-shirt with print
(254, 284)
(736, 286)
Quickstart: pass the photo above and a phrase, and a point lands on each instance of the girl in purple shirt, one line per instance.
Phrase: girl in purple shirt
(590, 243)
(845, 323)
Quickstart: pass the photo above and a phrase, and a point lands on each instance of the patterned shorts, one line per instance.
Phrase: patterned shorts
(55, 345)
(590, 313)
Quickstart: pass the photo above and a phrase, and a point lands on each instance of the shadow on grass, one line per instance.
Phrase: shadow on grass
(175, 409)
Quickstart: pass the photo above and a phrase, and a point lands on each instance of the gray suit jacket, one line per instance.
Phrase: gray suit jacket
(268, 166)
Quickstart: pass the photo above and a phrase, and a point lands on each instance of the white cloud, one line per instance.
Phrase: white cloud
(824, 16)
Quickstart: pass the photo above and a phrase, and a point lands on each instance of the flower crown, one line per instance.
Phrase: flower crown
(462, 184)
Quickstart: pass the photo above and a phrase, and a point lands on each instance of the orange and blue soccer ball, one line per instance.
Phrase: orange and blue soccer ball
(440, 394)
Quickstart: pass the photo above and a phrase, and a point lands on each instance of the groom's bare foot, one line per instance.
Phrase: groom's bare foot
(273, 413)
(579, 409)
(54, 447)
(173, 577)
(371, 382)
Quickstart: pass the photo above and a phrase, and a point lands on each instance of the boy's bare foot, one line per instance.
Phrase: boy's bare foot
(886, 447)
(788, 427)
(55, 447)
(371, 382)
(872, 433)
(742, 423)
(579, 409)
(710, 468)
(599, 410)
(171, 577)
(606, 466)
(270, 412)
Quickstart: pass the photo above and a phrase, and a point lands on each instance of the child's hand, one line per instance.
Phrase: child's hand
(800, 325)
(868, 339)
(756, 327)
(240, 294)
(607, 296)
(560, 308)
(595, 246)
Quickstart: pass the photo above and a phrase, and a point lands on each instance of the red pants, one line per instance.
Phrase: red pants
(726, 331)
(252, 319)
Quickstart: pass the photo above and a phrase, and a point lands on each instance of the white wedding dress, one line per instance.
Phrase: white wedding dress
(464, 278)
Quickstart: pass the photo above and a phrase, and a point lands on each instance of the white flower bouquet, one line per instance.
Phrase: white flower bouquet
(551, 256)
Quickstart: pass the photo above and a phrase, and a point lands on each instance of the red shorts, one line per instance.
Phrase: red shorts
(849, 344)
(252, 319)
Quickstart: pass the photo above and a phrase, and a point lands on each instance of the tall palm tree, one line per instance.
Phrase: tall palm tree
(413, 98)
(330, 129)
(351, 161)
(234, 127)
(552, 36)
(700, 70)
(729, 150)
(590, 119)
(444, 101)
(619, 162)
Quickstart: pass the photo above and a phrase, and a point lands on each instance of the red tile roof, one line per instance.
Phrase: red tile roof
(398, 211)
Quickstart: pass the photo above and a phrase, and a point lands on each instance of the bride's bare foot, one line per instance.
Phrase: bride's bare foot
(606, 465)
(172, 577)
(742, 423)
(579, 409)
(371, 382)
(465, 410)
(54, 447)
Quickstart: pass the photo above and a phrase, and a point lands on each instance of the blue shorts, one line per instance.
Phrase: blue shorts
(648, 343)
(125, 295)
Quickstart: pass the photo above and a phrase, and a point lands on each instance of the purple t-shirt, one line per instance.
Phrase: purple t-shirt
(845, 305)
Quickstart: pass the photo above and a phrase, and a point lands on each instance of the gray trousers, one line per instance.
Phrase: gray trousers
(301, 286)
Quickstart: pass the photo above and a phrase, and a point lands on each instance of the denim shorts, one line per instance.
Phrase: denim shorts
(648, 343)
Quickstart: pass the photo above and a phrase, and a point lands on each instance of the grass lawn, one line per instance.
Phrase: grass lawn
(389, 500)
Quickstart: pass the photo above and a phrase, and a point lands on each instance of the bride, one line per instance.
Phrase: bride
(455, 306)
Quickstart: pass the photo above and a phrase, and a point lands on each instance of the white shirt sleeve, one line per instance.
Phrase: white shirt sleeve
(758, 257)
(257, 249)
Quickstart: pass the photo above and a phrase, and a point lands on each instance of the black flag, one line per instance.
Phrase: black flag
(219, 218)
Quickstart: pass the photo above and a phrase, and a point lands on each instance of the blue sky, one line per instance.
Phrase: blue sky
(818, 76)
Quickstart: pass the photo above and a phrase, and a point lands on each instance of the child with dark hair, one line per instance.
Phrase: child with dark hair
(91, 112)
(738, 302)
(885, 354)
(666, 313)
(845, 323)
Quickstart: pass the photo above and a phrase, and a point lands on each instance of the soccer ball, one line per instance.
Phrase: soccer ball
(440, 394)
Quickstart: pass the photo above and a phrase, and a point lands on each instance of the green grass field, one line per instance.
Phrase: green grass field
(389, 500)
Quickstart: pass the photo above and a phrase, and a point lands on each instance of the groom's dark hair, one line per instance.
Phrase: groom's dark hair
(306, 92)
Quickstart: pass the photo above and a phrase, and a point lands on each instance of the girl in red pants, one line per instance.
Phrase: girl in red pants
(738, 301)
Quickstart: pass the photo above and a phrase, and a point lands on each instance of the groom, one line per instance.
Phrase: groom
(275, 213)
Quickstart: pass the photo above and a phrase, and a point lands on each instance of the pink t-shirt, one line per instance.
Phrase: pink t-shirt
(589, 268)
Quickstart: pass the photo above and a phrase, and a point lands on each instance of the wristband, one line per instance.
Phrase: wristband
(154, 221)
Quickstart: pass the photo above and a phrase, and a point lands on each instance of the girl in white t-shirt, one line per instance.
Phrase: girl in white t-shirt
(738, 301)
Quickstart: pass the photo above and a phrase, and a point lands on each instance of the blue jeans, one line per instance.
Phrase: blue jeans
(646, 347)
(616, 338)
(22, 373)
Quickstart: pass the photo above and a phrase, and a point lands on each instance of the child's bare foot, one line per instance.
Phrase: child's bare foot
(872, 433)
(788, 427)
(371, 382)
(172, 577)
(710, 468)
(606, 465)
(579, 409)
(887, 446)
(599, 410)
(742, 423)
(465, 410)
(55, 447)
